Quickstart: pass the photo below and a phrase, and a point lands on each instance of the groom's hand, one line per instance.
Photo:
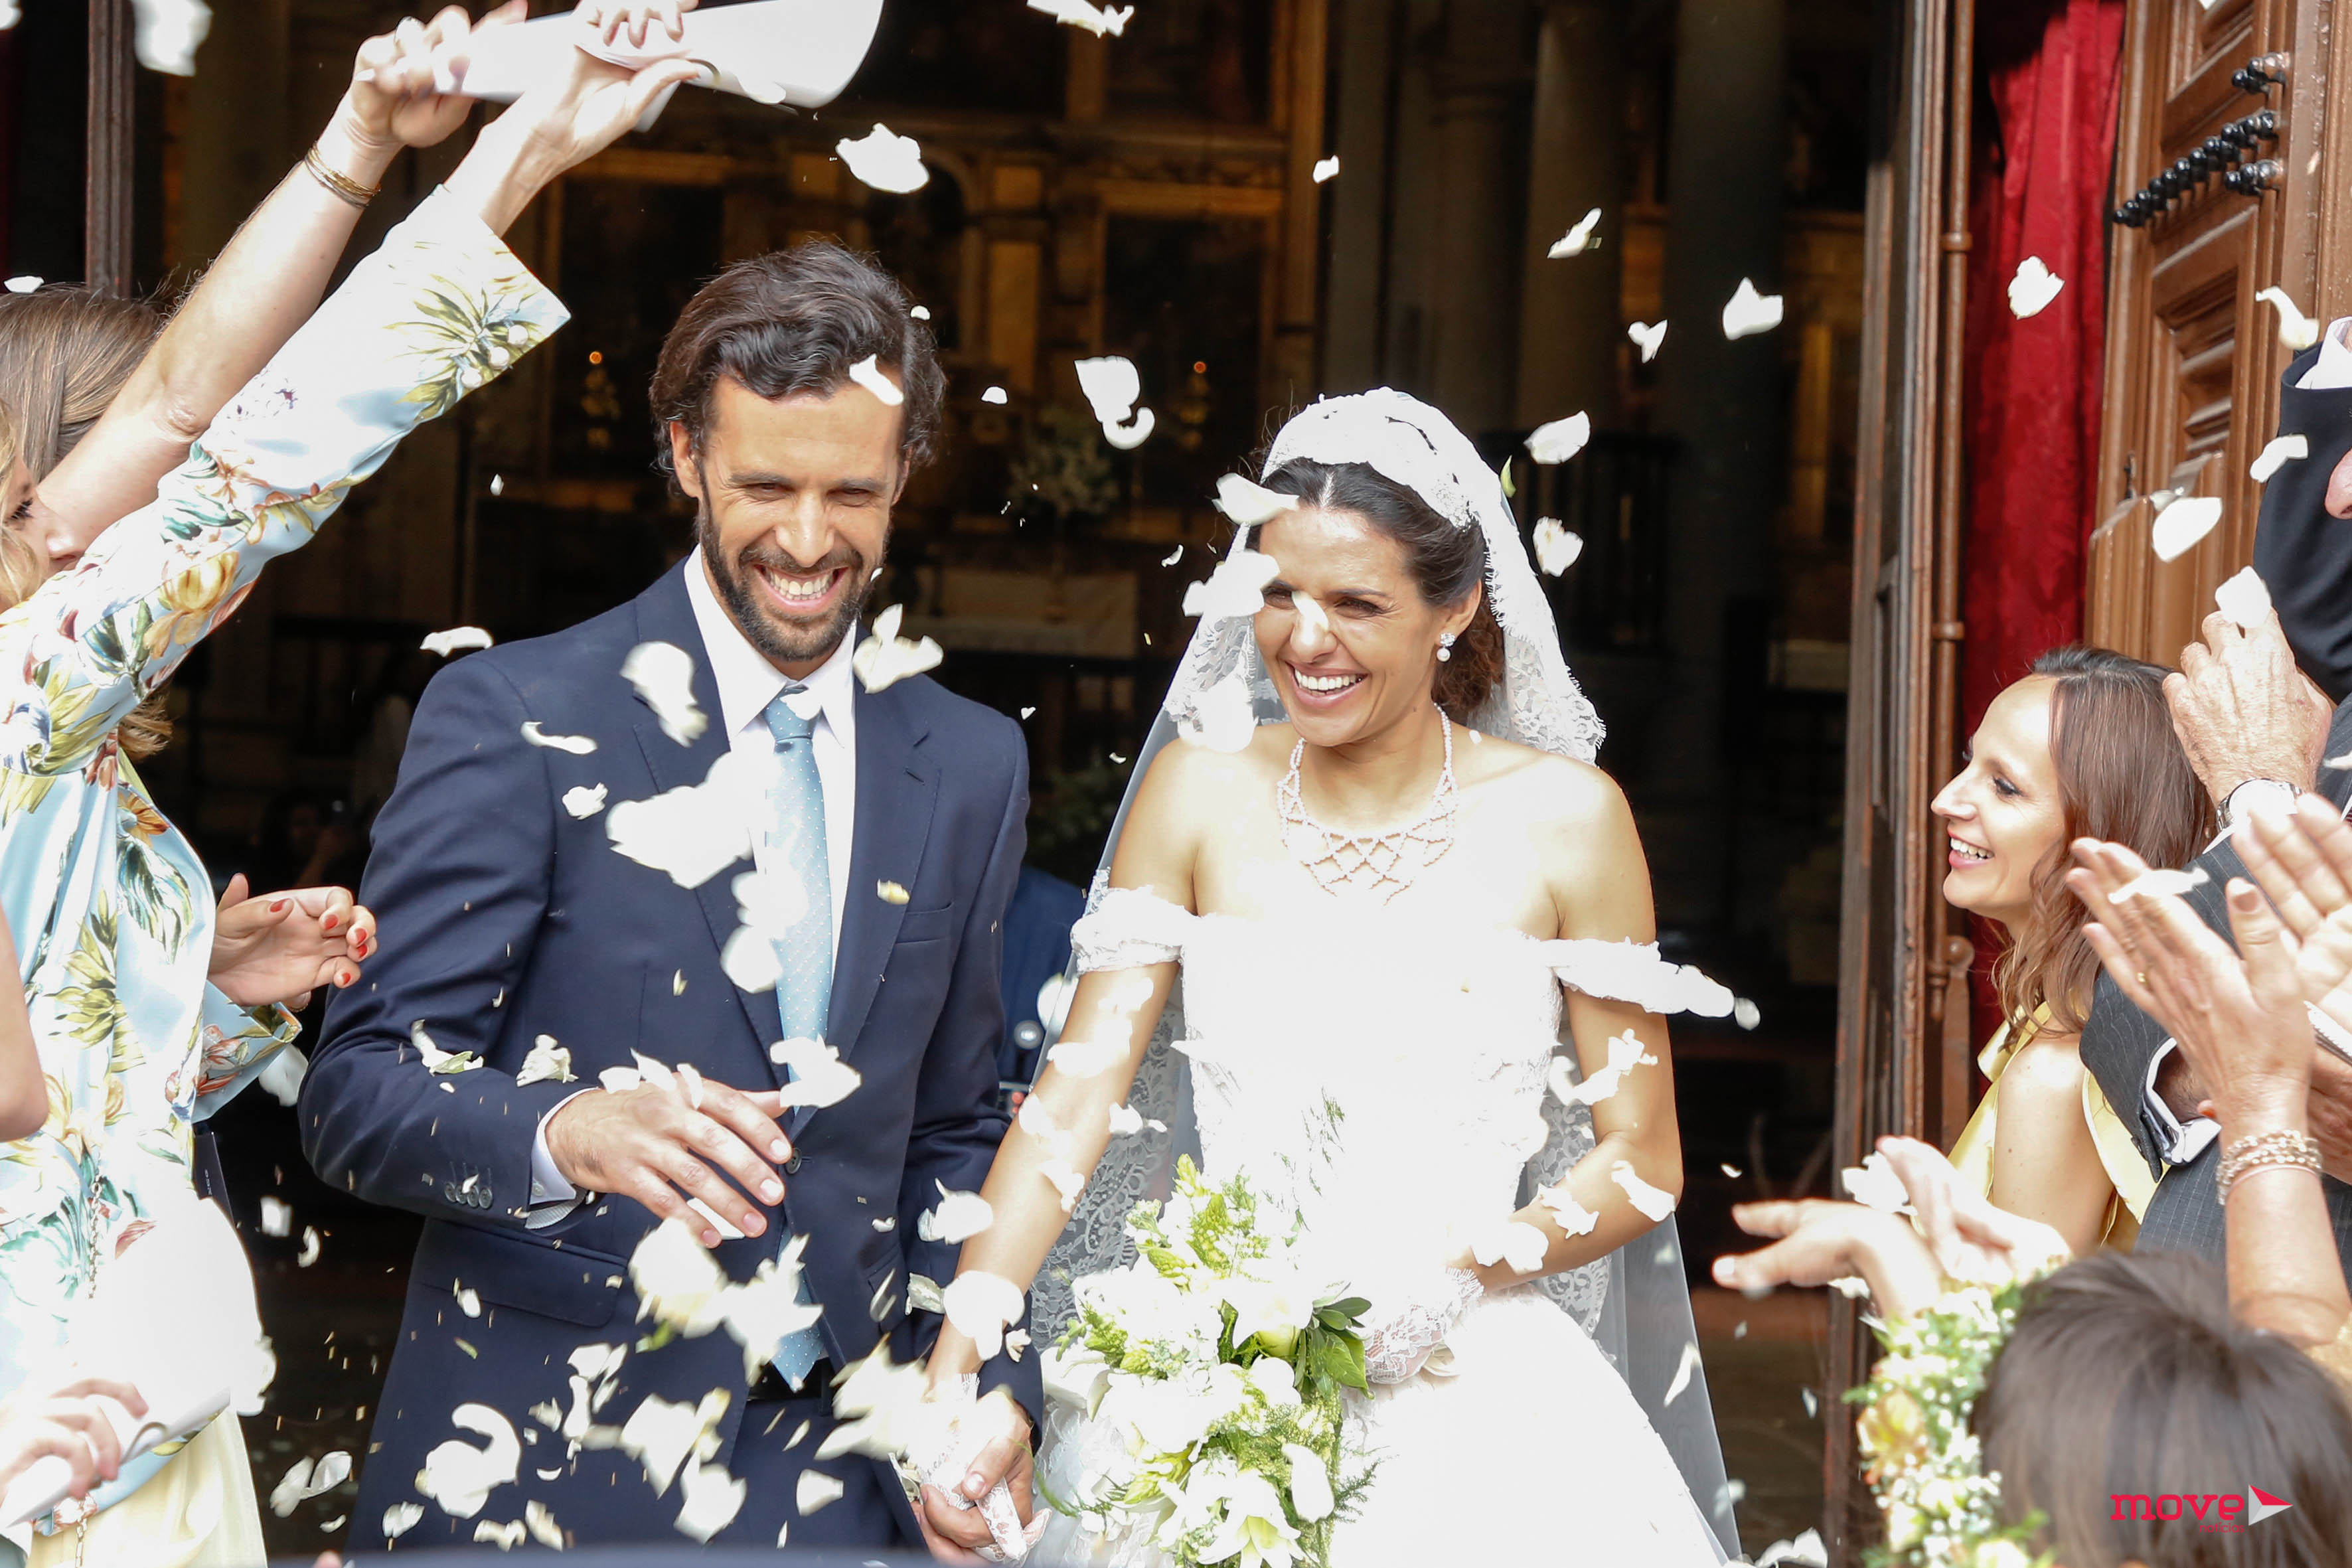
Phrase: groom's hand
(956, 1535)
(649, 1144)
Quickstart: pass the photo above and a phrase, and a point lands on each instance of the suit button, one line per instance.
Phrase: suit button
(449, 1190)
(793, 1165)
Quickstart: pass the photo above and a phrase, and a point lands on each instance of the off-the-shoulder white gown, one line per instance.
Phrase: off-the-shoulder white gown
(1385, 1075)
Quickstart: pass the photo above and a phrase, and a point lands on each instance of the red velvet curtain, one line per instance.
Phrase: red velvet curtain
(2048, 71)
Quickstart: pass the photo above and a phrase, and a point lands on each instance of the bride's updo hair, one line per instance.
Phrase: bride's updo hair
(1448, 564)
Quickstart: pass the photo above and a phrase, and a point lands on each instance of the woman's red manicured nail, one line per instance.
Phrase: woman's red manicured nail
(278, 907)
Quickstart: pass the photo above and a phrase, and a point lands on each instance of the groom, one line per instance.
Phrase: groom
(514, 929)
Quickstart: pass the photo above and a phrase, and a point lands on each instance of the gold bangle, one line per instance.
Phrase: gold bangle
(342, 185)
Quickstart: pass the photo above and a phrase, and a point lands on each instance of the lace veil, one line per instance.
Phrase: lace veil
(1635, 1302)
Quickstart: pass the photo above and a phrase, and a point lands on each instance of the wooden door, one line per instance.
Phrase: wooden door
(1903, 1043)
(2193, 358)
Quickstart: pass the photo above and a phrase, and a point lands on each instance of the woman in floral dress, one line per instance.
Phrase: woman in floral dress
(116, 941)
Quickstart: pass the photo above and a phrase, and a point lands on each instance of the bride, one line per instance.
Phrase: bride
(1376, 907)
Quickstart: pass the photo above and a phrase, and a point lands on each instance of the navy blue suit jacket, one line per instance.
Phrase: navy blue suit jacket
(503, 917)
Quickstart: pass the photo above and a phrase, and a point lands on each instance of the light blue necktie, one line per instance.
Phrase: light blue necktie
(805, 953)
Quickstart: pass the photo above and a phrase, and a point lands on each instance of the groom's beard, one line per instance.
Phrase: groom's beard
(783, 642)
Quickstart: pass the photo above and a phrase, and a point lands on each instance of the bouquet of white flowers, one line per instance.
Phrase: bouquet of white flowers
(1213, 1366)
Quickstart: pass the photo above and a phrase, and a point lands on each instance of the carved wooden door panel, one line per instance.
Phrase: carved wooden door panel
(2223, 160)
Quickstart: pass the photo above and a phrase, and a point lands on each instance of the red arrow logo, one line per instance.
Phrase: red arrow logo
(2260, 1505)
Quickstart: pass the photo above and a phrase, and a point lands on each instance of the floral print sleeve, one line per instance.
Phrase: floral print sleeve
(238, 1042)
(441, 308)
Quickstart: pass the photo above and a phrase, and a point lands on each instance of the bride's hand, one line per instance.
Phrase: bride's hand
(1819, 1241)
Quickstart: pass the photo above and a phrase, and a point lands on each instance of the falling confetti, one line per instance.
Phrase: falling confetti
(1223, 718)
(578, 745)
(305, 1481)
(1237, 587)
(1086, 1059)
(547, 1063)
(1557, 548)
(1812, 1401)
(1578, 239)
(1685, 1371)
(891, 893)
(995, 395)
(1112, 386)
(2031, 291)
(1246, 505)
(920, 312)
(457, 1475)
(662, 674)
(886, 659)
(2277, 455)
(1574, 1218)
(1653, 1202)
(2180, 525)
(1173, 557)
(1025, 712)
(959, 1217)
(816, 1489)
(1626, 1052)
(468, 1301)
(820, 1078)
(886, 160)
(401, 1518)
(868, 374)
(167, 34)
(712, 1500)
(2160, 882)
(1746, 1014)
(23, 284)
(2245, 599)
(2296, 330)
(585, 801)
(498, 484)
(1874, 1184)
(1326, 168)
(983, 1306)
(277, 1217)
(1647, 337)
(1110, 19)
(1747, 313)
(309, 1253)
(1513, 1242)
(694, 831)
(1561, 439)
(455, 637)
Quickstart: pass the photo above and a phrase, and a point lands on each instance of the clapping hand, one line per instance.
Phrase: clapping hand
(2243, 711)
(2238, 1016)
(282, 947)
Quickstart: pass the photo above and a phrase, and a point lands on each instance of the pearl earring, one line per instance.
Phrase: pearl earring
(1445, 647)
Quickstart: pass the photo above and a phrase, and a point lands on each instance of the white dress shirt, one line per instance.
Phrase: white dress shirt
(2184, 1141)
(747, 683)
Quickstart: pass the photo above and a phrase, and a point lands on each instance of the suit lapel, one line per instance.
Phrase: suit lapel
(665, 615)
(897, 786)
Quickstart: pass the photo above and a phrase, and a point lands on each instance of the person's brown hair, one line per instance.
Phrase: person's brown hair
(2126, 1383)
(2122, 776)
(64, 350)
(1448, 564)
(792, 322)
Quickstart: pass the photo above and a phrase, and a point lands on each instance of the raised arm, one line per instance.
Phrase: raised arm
(263, 284)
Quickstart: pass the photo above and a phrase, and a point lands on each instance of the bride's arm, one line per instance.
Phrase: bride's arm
(1600, 885)
(1065, 1123)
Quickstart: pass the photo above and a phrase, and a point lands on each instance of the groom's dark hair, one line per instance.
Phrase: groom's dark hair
(792, 321)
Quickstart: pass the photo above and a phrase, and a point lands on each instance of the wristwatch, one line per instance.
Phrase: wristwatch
(2254, 794)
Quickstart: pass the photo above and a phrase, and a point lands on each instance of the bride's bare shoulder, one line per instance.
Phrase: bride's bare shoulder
(1187, 780)
(1545, 790)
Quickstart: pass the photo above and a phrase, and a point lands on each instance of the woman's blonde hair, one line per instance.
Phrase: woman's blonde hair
(64, 350)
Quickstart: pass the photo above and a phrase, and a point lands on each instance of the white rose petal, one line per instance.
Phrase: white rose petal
(2244, 598)
(1578, 239)
(540, 1520)
(1126, 1121)
(24, 283)
(820, 1078)
(920, 312)
(1556, 547)
(2180, 525)
(1515, 1242)
(983, 1306)
(1647, 336)
(1874, 1184)
(1237, 586)
(678, 1284)
(547, 1063)
(277, 1217)
(1746, 1014)
(660, 1433)
(1112, 385)
(1574, 1218)
(867, 373)
(2296, 330)
(662, 675)
(2031, 291)
(166, 34)
(1561, 439)
(455, 637)
(468, 1301)
(996, 396)
(2159, 882)
(1654, 1203)
(886, 160)
(1851, 1289)
(1626, 1052)
(1685, 1371)
(1805, 1552)
(1110, 20)
(1246, 505)
(1132, 434)
(1067, 1179)
(763, 1312)
(310, 1246)
(815, 1490)
(1747, 313)
(694, 831)
(2282, 450)
(304, 1480)
(458, 1476)
(886, 659)
(713, 1499)
(1084, 1058)
(585, 801)
(1326, 168)
(959, 1217)
(578, 745)
(401, 1518)
(620, 1080)
(1311, 1482)
(1223, 718)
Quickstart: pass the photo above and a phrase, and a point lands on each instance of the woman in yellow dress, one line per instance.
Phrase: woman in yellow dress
(2082, 747)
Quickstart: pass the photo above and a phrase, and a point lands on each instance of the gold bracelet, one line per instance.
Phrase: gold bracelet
(343, 185)
(2298, 1149)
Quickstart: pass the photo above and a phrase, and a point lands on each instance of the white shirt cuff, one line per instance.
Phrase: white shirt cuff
(2333, 369)
(2183, 1141)
(552, 1198)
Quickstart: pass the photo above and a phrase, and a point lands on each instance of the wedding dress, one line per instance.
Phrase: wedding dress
(1383, 1077)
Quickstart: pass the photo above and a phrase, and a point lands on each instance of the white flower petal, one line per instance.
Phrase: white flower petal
(819, 1076)
(1067, 1179)
(1127, 437)
(1685, 1371)
(547, 1063)
(1874, 1184)
(694, 831)
(455, 637)
(1110, 20)
(885, 658)
(995, 395)
(659, 1434)
(713, 1499)
(763, 1312)
(2031, 291)
(1223, 718)
(578, 745)
(1556, 547)
(310, 1246)
(1647, 336)
(1237, 586)
(2296, 330)
(24, 283)
(2180, 525)
(585, 801)
(1655, 1203)
(1112, 386)
(459, 1476)
(2244, 598)
(2280, 451)
(1578, 239)
(1084, 1058)
(540, 1520)
(1246, 505)
(1514, 1242)
(1326, 168)
(2158, 882)
(167, 33)
(959, 1217)
(983, 1306)
(1574, 1218)
(815, 1489)
(677, 1283)
(1561, 439)
(277, 1217)
(867, 373)
(1747, 313)
(401, 1518)
(1126, 1121)
(662, 675)
(886, 162)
